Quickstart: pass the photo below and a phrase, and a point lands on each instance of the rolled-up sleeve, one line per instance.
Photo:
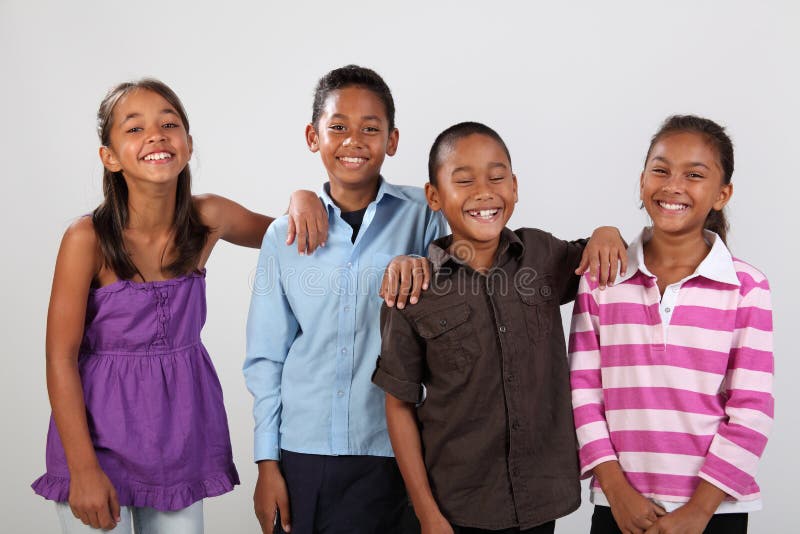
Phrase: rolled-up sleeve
(400, 367)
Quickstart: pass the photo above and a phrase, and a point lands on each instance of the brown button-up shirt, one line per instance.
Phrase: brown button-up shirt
(487, 355)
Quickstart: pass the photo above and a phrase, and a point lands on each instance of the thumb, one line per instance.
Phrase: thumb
(290, 231)
(283, 506)
(113, 502)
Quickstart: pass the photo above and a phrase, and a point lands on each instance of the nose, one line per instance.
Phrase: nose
(354, 139)
(155, 134)
(673, 184)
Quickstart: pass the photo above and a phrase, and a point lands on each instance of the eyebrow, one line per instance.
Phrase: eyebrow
(365, 117)
(136, 114)
(492, 165)
(691, 164)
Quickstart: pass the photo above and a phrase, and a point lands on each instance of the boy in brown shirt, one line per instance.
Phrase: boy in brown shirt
(478, 402)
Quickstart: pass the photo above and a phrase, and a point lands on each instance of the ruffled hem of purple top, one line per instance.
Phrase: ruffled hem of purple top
(164, 499)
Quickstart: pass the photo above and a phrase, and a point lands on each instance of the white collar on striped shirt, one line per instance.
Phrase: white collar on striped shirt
(717, 265)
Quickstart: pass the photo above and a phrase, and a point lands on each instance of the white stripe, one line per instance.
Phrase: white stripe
(752, 338)
(759, 297)
(582, 322)
(660, 462)
(585, 359)
(582, 397)
(752, 419)
(663, 421)
(699, 338)
(628, 334)
(743, 267)
(709, 298)
(592, 432)
(734, 454)
(750, 380)
(661, 376)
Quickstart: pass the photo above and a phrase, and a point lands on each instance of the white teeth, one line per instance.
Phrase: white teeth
(157, 156)
(674, 207)
(353, 160)
(483, 214)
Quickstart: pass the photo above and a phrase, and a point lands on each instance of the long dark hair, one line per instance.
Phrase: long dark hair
(111, 217)
(716, 135)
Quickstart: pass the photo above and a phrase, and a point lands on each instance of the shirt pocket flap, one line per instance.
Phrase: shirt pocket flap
(440, 321)
(539, 291)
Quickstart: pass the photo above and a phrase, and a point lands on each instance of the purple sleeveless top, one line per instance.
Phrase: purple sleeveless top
(153, 399)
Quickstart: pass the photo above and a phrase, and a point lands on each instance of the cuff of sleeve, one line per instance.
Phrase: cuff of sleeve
(266, 447)
(734, 482)
(405, 391)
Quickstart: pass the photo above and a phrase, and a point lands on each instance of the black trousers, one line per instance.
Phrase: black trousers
(546, 528)
(345, 495)
(603, 523)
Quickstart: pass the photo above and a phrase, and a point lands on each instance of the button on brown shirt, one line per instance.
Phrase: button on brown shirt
(488, 351)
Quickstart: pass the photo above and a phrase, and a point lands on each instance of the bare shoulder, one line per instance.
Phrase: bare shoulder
(210, 207)
(80, 249)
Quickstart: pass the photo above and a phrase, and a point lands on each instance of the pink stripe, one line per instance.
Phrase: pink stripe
(584, 302)
(639, 279)
(582, 341)
(753, 359)
(752, 400)
(594, 450)
(588, 413)
(745, 437)
(707, 283)
(677, 485)
(730, 475)
(666, 442)
(662, 399)
(629, 313)
(754, 318)
(586, 379)
(676, 356)
(703, 317)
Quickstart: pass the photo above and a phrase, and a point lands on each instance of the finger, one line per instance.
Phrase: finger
(613, 260)
(594, 268)
(322, 226)
(285, 514)
(114, 505)
(604, 265)
(290, 231)
(405, 285)
(94, 519)
(660, 511)
(426, 276)
(390, 278)
(584, 264)
(104, 517)
(313, 237)
(417, 278)
(623, 260)
(302, 239)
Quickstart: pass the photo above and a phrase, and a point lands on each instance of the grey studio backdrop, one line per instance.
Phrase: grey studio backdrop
(575, 88)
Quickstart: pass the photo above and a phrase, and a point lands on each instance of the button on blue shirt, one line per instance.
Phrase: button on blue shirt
(313, 331)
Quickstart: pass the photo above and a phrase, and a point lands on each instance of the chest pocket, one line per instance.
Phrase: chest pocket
(449, 338)
(539, 306)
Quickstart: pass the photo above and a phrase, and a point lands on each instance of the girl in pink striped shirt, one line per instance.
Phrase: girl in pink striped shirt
(671, 367)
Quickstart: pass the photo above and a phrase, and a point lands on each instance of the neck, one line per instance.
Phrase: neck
(675, 251)
(151, 209)
(353, 197)
(479, 255)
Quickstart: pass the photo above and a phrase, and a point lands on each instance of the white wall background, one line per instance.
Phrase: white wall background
(576, 88)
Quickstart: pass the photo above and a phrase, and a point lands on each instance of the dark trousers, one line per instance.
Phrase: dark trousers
(603, 523)
(346, 495)
(546, 528)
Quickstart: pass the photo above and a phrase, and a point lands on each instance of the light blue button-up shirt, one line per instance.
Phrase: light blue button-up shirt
(313, 332)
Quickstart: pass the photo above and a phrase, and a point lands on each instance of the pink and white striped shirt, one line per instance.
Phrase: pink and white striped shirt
(677, 393)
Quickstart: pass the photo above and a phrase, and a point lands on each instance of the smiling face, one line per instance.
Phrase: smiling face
(352, 137)
(682, 182)
(148, 141)
(475, 189)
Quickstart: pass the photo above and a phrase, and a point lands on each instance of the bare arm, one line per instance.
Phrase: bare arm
(631, 510)
(308, 221)
(407, 445)
(92, 497)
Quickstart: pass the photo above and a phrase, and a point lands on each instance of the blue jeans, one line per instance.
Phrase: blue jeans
(139, 521)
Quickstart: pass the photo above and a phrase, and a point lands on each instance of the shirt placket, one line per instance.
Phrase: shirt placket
(161, 296)
(345, 346)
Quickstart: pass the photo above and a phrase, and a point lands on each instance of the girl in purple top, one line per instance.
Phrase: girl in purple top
(138, 432)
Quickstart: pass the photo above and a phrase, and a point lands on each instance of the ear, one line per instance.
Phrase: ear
(109, 159)
(514, 181)
(725, 194)
(312, 139)
(641, 185)
(432, 196)
(391, 143)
